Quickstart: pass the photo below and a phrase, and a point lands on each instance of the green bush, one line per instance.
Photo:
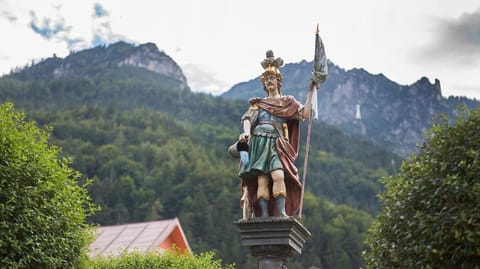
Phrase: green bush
(167, 260)
(42, 207)
(431, 214)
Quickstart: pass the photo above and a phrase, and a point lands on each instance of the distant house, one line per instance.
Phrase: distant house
(153, 236)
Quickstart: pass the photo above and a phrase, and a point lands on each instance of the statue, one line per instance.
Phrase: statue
(268, 147)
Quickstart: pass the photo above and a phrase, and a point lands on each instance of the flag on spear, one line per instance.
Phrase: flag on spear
(320, 70)
(319, 75)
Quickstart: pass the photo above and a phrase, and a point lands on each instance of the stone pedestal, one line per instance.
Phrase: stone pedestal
(273, 240)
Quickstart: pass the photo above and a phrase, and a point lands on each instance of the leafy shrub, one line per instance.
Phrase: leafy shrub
(167, 260)
(431, 213)
(42, 207)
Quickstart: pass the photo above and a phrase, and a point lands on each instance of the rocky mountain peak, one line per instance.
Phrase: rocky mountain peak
(423, 87)
(149, 57)
(94, 61)
(369, 105)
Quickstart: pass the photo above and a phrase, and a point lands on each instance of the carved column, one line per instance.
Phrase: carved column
(273, 240)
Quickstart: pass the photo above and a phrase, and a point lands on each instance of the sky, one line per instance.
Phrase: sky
(219, 43)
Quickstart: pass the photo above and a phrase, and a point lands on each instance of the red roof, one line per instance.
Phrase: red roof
(154, 236)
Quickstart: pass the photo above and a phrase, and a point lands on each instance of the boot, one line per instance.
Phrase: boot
(280, 203)
(264, 206)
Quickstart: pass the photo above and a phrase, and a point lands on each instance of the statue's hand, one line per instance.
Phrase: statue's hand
(318, 76)
(243, 137)
(313, 85)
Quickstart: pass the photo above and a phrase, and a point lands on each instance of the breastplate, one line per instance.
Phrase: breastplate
(268, 124)
(264, 116)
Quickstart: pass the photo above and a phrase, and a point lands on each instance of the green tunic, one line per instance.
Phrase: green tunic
(263, 153)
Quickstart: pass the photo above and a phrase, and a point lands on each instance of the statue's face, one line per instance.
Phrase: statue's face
(270, 83)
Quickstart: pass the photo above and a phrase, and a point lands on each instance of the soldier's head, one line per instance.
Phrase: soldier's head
(271, 74)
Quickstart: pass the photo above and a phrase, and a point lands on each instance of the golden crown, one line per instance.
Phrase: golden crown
(270, 64)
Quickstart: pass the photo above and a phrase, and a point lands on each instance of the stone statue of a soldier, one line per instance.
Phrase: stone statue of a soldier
(270, 181)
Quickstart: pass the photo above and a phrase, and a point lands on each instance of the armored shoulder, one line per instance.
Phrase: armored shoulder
(252, 111)
(254, 107)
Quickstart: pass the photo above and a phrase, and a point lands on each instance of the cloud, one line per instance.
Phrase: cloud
(75, 43)
(99, 11)
(102, 28)
(56, 29)
(200, 79)
(9, 16)
(6, 12)
(48, 28)
(455, 41)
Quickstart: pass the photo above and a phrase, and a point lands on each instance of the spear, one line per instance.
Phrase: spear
(319, 75)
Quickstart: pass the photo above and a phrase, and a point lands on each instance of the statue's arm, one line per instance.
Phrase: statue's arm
(247, 120)
(247, 126)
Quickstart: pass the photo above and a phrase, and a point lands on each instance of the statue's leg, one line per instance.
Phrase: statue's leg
(245, 204)
(263, 194)
(279, 191)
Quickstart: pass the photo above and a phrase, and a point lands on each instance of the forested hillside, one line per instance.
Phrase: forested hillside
(154, 149)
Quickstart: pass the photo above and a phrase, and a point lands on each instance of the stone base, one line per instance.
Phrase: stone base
(273, 240)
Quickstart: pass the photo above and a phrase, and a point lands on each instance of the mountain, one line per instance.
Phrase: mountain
(98, 60)
(153, 149)
(120, 75)
(391, 115)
